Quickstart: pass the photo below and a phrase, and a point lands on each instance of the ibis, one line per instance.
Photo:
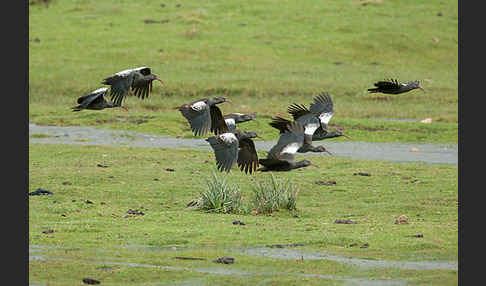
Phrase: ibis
(392, 86)
(139, 80)
(233, 118)
(314, 119)
(281, 156)
(204, 116)
(233, 147)
(94, 100)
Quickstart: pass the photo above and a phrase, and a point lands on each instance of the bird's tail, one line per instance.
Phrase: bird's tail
(372, 90)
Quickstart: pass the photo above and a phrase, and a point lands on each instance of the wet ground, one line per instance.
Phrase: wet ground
(395, 152)
(36, 254)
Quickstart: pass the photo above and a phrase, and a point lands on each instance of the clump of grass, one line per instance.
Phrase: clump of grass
(272, 195)
(220, 196)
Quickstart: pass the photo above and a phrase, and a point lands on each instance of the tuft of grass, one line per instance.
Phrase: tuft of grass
(272, 195)
(220, 196)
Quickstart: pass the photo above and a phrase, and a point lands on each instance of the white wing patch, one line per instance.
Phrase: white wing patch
(228, 138)
(311, 128)
(231, 123)
(198, 106)
(126, 72)
(100, 90)
(325, 117)
(291, 148)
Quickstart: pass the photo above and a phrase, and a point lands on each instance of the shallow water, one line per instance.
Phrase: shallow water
(395, 152)
(286, 253)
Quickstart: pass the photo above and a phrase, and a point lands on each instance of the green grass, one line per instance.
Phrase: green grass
(263, 56)
(89, 234)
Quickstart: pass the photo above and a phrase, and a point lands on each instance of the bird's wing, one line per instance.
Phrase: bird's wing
(319, 134)
(218, 125)
(297, 110)
(391, 84)
(198, 117)
(289, 142)
(95, 94)
(280, 123)
(247, 156)
(323, 107)
(225, 147)
(90, 98)
(141, 86)
(120, 84)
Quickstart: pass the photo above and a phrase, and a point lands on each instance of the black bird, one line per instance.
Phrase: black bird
(316, 117)
(235, 147)
(233, 118)
(204, 116)
(94, 100)
(138, 79)
(281, 156)
(392, 86)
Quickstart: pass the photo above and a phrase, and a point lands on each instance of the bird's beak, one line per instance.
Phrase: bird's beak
(126, 109)
(329, 153)
(421, 89)
(228, 101)
(160, 81)
(346, 136)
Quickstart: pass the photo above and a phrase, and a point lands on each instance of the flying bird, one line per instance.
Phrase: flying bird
(281, 156)
(392, 86)
(204, 116)
(233, 118)
(94, 100)
(233, 147)
(139, 80)
(315, 119)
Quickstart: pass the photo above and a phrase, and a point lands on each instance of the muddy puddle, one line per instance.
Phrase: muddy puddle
(288, 253)
(395, 152)
(226, 270)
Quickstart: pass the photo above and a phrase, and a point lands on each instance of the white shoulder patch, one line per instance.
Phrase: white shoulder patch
(198, 106)
(230, 121)
(228, 138)
(311, 128)
(124, 73)
(325, 117)
(100, 90)
(291, 148)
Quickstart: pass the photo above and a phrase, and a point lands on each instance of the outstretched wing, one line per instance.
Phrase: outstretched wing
(297, 110)
(218, 125)
(289, 142)
(247, 156)
(225, 147)
(323, 107)
(198, 116)
(122, 81)
(386, 85)
(90, 98)
(280, 123)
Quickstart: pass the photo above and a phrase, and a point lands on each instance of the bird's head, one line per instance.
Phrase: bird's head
(416, 84)
(322, 149)
(220, 99)
(155, 77)
(250, 134)
(339, 133)
(305, 163)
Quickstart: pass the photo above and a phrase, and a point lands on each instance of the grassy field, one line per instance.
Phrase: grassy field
(263, 55)
(97, 233)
